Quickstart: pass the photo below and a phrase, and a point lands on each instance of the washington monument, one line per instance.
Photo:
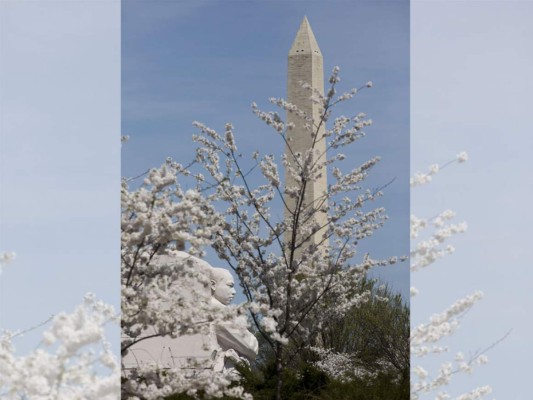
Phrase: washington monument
(305, 65)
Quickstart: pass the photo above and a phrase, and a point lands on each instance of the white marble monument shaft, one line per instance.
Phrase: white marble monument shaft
(305, 64)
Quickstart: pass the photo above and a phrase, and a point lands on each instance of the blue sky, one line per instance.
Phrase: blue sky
(207, 61)
(59, 159)
(472, 91)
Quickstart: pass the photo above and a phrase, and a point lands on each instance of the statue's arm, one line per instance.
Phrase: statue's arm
(240, 340)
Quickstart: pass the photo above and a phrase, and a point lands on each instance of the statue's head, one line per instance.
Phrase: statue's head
(222, 285)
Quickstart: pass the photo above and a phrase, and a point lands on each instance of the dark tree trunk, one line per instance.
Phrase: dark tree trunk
(279, 370)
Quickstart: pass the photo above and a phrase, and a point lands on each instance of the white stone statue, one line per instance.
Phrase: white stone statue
(166, 351)
(230, 345)
(225, 346)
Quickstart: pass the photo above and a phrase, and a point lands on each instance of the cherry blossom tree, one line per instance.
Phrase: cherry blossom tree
(74, 359)
(294, 286)
(430, 242)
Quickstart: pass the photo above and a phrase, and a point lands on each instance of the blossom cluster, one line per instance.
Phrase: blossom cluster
(430, 249)
(345, 367)
(73, 361)
(149, 382)
(338, 366)
(5, 258)
(420, 179)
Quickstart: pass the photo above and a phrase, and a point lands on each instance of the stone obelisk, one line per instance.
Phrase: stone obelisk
(305, 65)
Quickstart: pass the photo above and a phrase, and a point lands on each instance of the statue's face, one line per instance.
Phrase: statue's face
(224, 290)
